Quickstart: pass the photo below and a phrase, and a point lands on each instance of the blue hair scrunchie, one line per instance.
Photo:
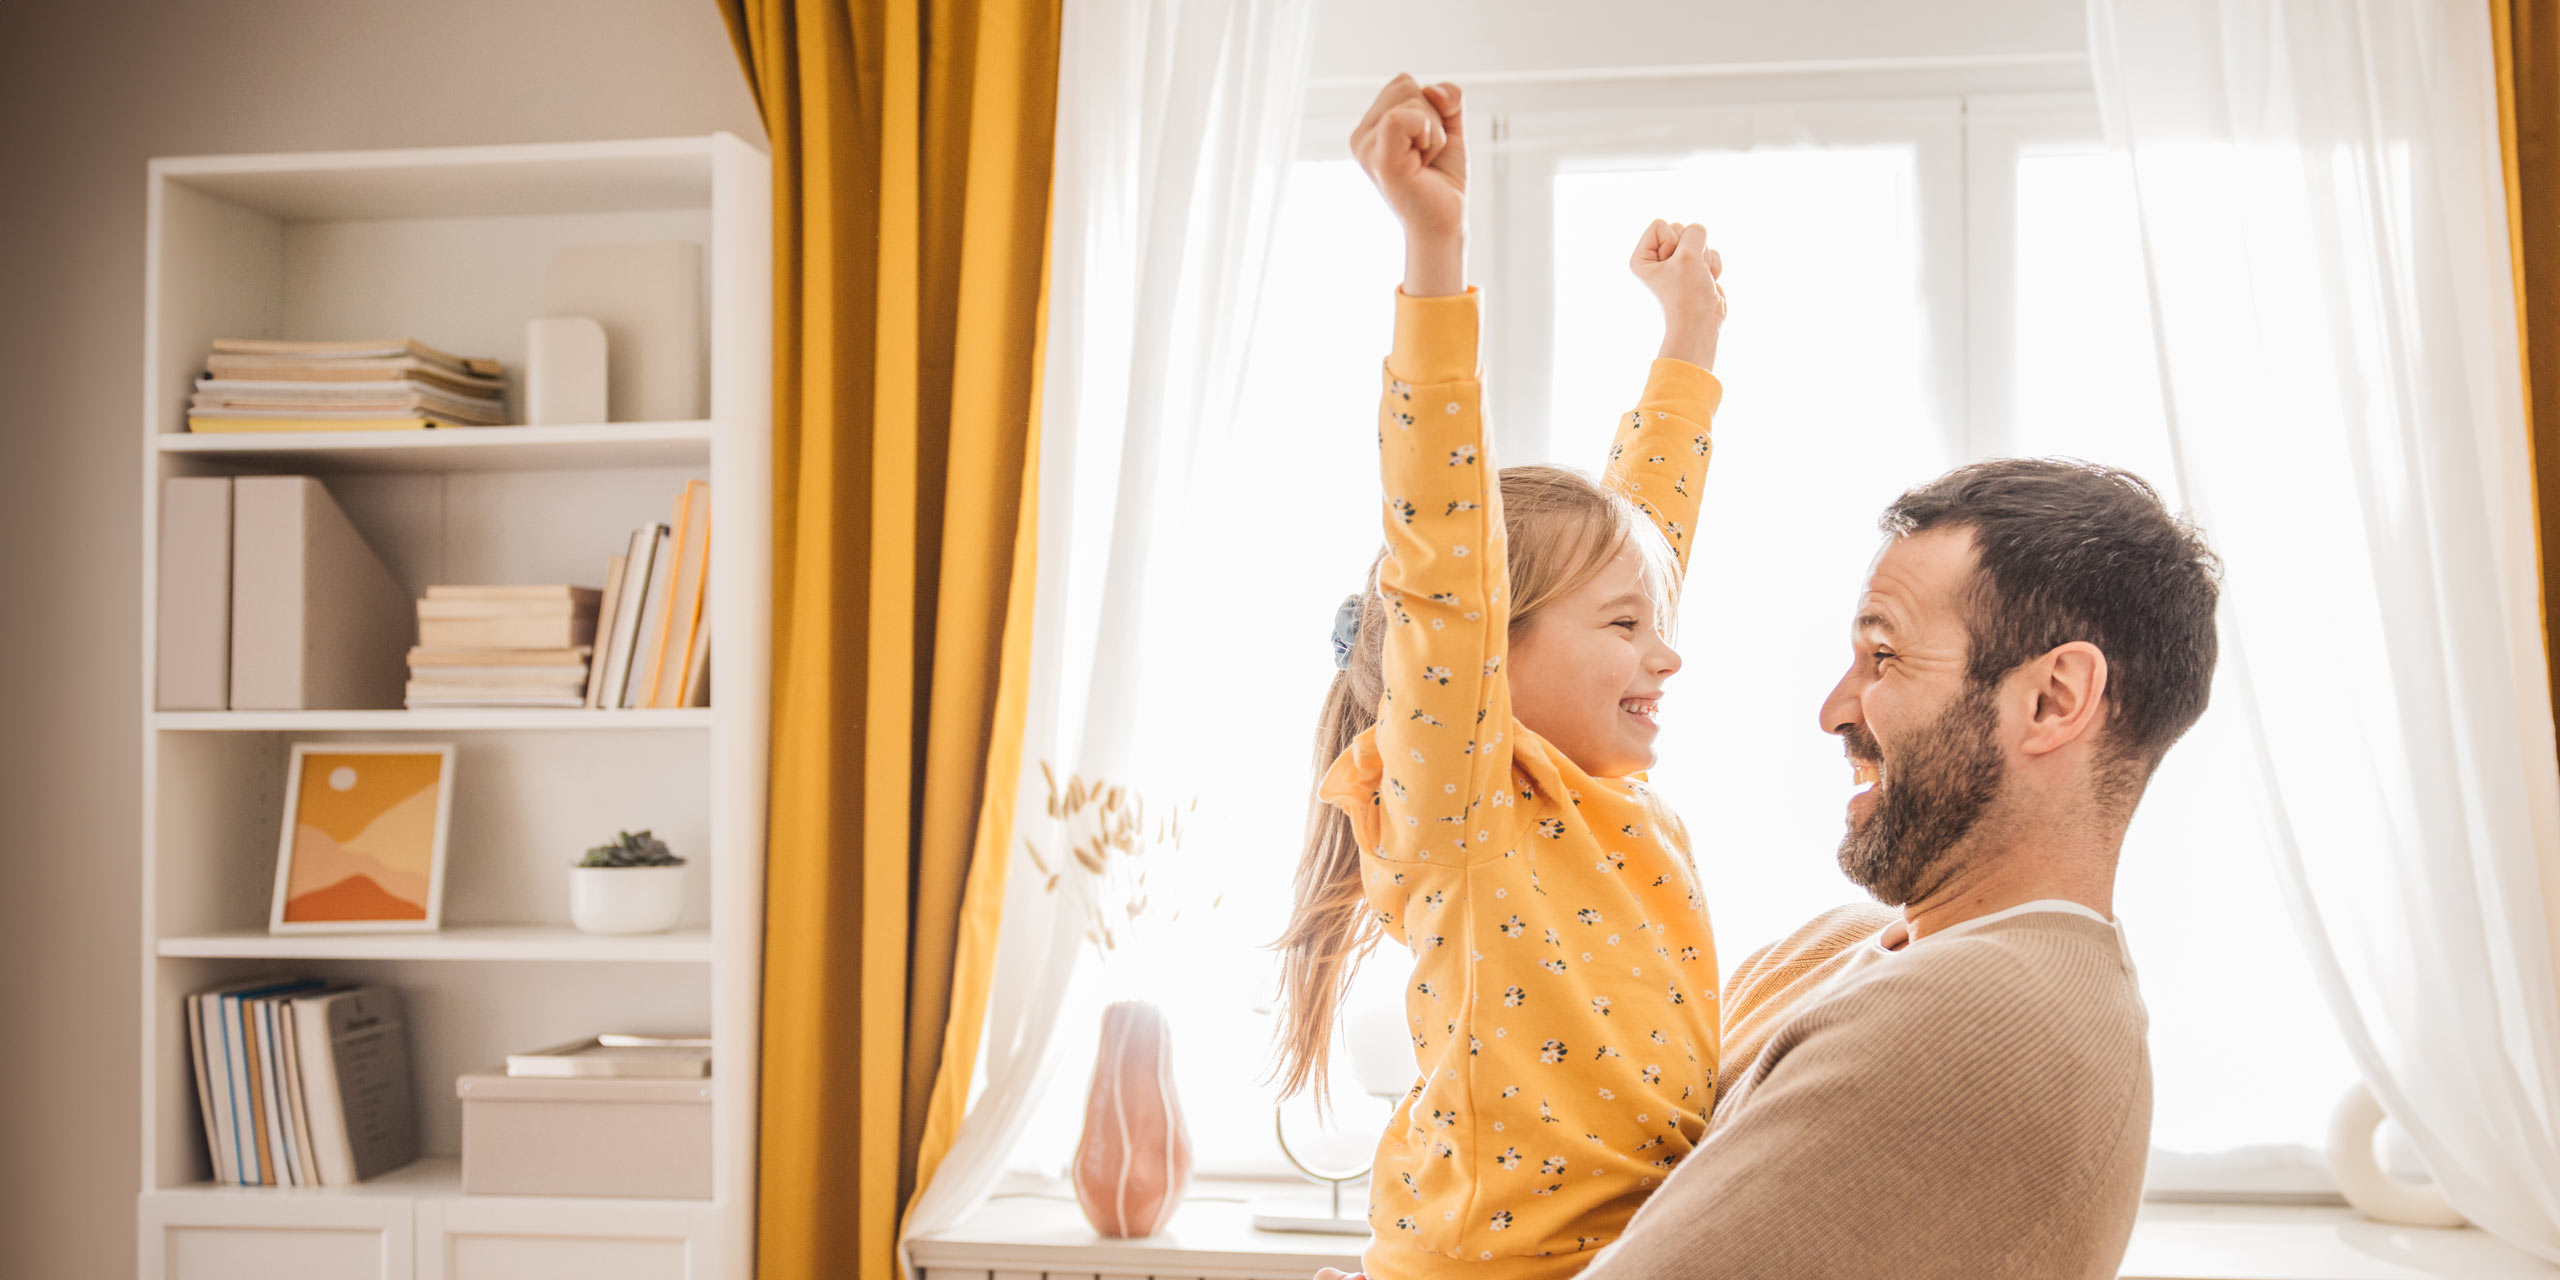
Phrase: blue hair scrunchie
(1346, 631)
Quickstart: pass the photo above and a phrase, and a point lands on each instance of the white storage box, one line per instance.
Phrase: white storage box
(593, 1137)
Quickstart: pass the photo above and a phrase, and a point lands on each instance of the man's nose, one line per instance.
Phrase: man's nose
(1840, 709)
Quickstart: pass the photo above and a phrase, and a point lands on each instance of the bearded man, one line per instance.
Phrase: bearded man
(1958, 1086)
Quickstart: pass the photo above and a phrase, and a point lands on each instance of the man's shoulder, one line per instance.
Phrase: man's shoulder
(1811, 946)
(1766, 989)
(1987, 1028)
(2057, 978)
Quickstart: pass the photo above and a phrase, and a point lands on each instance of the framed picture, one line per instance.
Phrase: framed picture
(364, 836)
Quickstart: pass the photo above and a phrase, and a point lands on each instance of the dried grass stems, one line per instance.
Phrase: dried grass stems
(1110, 846)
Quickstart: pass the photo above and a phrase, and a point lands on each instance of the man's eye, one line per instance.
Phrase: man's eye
(1882, 654)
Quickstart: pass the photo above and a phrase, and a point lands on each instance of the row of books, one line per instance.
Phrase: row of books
(653, 636)
(257, 384)
(302, 1083)
(643, 640)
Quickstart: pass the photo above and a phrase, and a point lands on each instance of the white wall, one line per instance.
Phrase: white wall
(89, 90)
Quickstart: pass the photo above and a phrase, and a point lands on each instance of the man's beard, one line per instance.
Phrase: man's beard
(1937, 788)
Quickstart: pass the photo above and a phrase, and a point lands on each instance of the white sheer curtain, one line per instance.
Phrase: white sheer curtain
(2324, 226)
(1177, 120)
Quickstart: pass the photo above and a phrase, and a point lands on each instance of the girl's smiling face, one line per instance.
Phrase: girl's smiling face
(1587, 670)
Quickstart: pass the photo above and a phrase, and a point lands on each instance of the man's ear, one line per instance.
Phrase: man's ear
(2068, 691)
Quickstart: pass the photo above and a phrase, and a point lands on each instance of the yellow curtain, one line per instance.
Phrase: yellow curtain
(2528, 59)
(911, 153)
(2527, 33)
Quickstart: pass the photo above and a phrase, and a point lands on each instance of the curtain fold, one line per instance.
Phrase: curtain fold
(1177, 122)
(2325, 238)
(912, 146)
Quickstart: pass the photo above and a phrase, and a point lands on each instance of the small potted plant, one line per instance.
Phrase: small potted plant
(633, 885)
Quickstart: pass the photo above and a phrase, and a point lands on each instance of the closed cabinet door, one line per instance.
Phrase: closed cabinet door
(215, 1238)
(515, 1238)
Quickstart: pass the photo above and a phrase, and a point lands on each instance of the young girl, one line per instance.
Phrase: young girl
(1482, 799)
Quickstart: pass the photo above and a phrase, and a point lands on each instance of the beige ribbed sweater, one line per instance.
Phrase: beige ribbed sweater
(1974, 1105)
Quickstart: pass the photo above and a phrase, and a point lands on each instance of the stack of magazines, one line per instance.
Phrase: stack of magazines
(258, 384)
(617, 1057)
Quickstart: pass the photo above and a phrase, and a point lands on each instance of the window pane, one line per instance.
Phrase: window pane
(2243, 1051)
(2086, 381)
(1826, 362)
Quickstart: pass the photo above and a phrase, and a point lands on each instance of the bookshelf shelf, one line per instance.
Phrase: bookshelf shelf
(436, 720)
(476, 942)
(451, 246)
(429, 1176)
(435, 1180)
(616, 444)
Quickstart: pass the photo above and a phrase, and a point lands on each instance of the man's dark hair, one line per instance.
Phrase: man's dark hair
(2070, 551)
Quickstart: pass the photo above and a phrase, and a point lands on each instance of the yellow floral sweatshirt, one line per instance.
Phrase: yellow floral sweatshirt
(1563, 996)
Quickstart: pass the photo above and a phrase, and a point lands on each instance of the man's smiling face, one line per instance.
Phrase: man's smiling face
(1924, 742)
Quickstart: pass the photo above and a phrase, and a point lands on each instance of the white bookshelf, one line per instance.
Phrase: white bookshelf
(448, 245)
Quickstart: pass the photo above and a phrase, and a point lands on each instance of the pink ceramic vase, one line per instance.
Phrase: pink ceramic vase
(1135, 1158)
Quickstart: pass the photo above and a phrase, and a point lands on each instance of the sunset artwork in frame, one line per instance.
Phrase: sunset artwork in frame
(364, 838)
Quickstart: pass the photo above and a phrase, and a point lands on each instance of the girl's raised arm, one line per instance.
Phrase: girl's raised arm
(1659, 457)
(1443, 726)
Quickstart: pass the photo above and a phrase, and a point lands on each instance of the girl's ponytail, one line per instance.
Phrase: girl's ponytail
(1330, 927)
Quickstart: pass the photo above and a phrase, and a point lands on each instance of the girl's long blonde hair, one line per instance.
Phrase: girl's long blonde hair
(1560, 529)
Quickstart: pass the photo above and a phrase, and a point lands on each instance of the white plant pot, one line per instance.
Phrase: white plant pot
(626, 899)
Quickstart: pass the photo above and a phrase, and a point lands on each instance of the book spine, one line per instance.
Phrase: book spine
(262, 1019)
(653, 607)
(372, 1053)
(320, 1093)
(686, 598)
(253, 1115)
(288, 1134)
(506, 633)
(606, 608)
(663, 616)
(235, 1059)
(297, 1118)
(626, 622)
(205, 1087)
(262, 1080)
(697, 666)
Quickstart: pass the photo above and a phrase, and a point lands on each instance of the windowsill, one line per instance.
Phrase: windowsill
(1215, 1239)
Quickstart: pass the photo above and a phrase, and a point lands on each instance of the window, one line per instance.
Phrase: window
(1915, 284)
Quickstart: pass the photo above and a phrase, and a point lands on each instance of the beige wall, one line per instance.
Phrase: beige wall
(89, 90)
